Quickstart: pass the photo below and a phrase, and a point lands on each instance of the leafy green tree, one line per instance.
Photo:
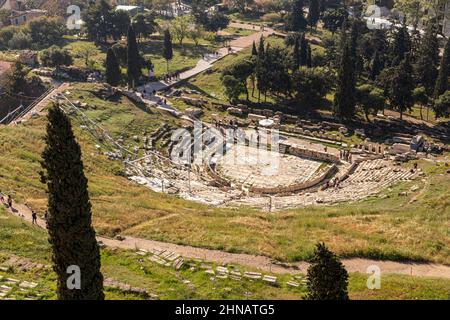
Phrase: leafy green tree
(113, 72)
(133, 58)
(98, 21)
(5, 15)
(402, 86)
(144, 24)
(233, 87)
(6, 34)
(20, 40)
(179, 28)
(217, 21)
(85, 50)
(69, 220)
(297, 21)
(370, 99)
(56, 56)
(241, 70)
(327, 278)
(277, 76)
(314, 13)
(120, 21)
(333, 19)
(15, 79)
(344, 99)
(413, 10)
(310, 86)
(46, 31)
(167, 49)
(442, 105)
(442, 83)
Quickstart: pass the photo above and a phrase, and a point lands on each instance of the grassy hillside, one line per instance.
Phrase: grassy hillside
(21, 240)
(394, 228)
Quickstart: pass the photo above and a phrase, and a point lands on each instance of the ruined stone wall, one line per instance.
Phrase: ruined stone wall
(312, 154)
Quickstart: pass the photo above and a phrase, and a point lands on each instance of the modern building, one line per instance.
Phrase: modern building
(132, 10)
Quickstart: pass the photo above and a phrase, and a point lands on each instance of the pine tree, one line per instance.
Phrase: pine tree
(327, 278)
(133, 59)
(402, 86)
(69, 224)
(442, 83)
(113, 73)
(428, 60)
(314, 13)
(167, 50)
(344, 99)
(297, 20)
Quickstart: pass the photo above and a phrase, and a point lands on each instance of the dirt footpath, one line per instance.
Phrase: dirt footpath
(258, 262)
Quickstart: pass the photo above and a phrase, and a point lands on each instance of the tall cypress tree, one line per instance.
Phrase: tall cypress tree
(402, 86)
(254, 51)
(401, 45)
(133, 59)
(314, 13)
(297, 21)
(296, 53)
(344, 99)
(376, 66)
(113, 73)
(69, 224)
(303, 50)
(327, 278)
(261, 69)
(428, 60)
(309, 57)
(442, 83)
(167, 50)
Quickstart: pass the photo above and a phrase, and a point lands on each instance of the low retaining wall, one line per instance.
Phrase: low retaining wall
(297, 187)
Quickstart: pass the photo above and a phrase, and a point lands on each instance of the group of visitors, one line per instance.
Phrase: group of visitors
(172, 77)
(146, 93)
(6, 199)
(332, 183)
(345, 155)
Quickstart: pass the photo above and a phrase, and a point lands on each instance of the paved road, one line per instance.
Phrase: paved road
(260, 262)
(207, 61)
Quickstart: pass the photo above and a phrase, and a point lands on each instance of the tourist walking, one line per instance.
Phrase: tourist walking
(33, 217)
(9, 202)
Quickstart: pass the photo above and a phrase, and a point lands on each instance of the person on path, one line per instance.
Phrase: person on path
(33, 217)
(9, 202)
